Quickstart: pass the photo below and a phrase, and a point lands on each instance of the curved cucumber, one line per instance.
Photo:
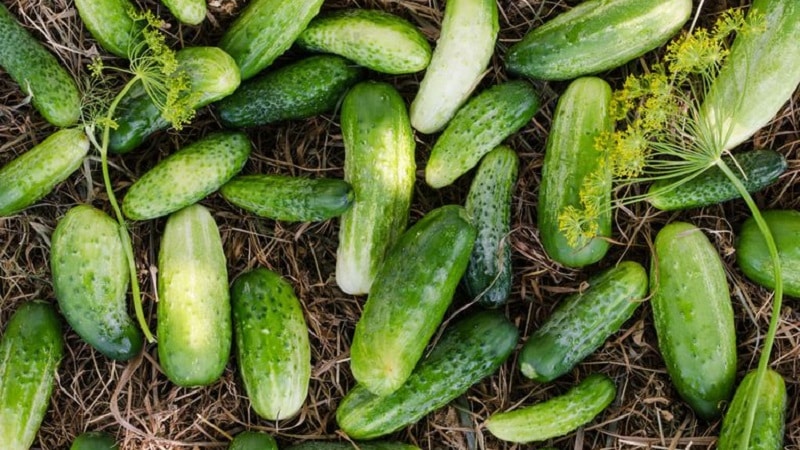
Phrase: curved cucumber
(770, 419)
(190, 12)
(752, 255)
(324, 445)
(94, 440)
(251, 440)
(111, 26)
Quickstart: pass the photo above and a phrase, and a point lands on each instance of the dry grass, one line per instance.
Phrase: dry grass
(135, 402)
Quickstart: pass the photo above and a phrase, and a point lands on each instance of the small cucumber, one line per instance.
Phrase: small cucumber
(752, 255)
(468, 351)
(595, 36)
(324, 445)
(94, 440)
(187, 176)
(90, 281)
(770, 418)
(478, 127)
(411, 293)
(110, 24)
(34, 174)
(30, 352)
(693, 317)
(190, 12)
(306, 88)
(555, 417)
(374, 39)
(194, 311)
(251, 440)
(583, 321)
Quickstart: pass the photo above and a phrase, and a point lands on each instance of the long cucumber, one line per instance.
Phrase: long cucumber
(752, 255)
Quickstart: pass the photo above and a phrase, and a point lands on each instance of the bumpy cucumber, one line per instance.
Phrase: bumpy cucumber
(30, 352)
(555, 417)
(478, 127)
(467, 352)
(308, 87)
(770, 419)
(324, 445)
(488, 276)
(35, 173)
(251, 440)
(90, 281)
(595, 36)
(94, 440)
(693, 317)
(409, 297)
(581, 116)
(187, 176)
(583, 322)
(190, 12)
(194, 311)
(752, 255)
(380, 166)
(111, 26)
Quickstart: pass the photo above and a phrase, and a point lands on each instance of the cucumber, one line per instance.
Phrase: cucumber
(410, 294)
(90, 281)
(752, 255)
(110, 24)
(189, 12)
(581, 116)
(756, 169)
(478, 127)
(30, 352)
(488, 276)
(34, 174)
(380, 166)
(39, 74)
(324, 445)
(306, 88)
(463, 51)
(693, 317)
(555, 417)
(770, 419)
(468, 351)
(595, 36)
(94, 440)
(187, 176)
(266, 29)
(583, 321)
(374, 39)
(291, 199)
(194, 311)
(251, 440)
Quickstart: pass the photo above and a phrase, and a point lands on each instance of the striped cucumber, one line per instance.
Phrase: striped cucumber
(110, 24)
(189, 12)
(94, 440)
(770, 419)
(252, 440)
(752, 255)
(326, 445)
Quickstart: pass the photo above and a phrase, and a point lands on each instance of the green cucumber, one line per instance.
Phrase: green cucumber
(39, 74)
(291, 199)
(94, 440)
(30, 352)
(111, 25)
(251, 440)
(306, 88)
(468, 351)
(374, 39)
(756, 169)
(478, 127)
(410, 294)
(194, 311)
(266, 29)
(583, 321)
(34, 174)
(380, 165)
(770, 419)
(187, 176)
(595, 36)
(488, 276)
(693, 317)
(463, 51)
(189, 12)
(752, 255)
(325, 445)
(581, 116)
(90, 281)
(555, 417)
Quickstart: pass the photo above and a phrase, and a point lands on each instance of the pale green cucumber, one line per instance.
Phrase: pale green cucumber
(94, 440)
(251, 440)
(373, 445)
(770, 419)
(111, 25)
(752, 255)
(190, 12)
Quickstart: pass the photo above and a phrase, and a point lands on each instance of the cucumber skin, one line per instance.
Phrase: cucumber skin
(309, 87)
(30, 352)
(489, 275)
(251, 440)
(324, 445)
(583, 321)
(107, 22)
(761, 168)
(411, 293)
(595, 36)
(34, 174)
(94, 441)
(194, 311)
(90, 280)
(468, 351)
(752, 255)
(190, 12)
(478, 127)
(582, 114)
(555, 417)
(770, 419)
(693, 317)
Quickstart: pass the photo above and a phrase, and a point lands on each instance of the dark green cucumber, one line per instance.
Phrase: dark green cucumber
(90, 281)
(478, 127)
(583, 321)
(752, 255)
(411, 292)
(770, 418)
(756, 169)
(190, 12)
(30, 352)
(467, 352)
(94, 440)
(693, 317)
(324, 445)
(111, 25)
(251, 440)
(306, 88)
(488, 275)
